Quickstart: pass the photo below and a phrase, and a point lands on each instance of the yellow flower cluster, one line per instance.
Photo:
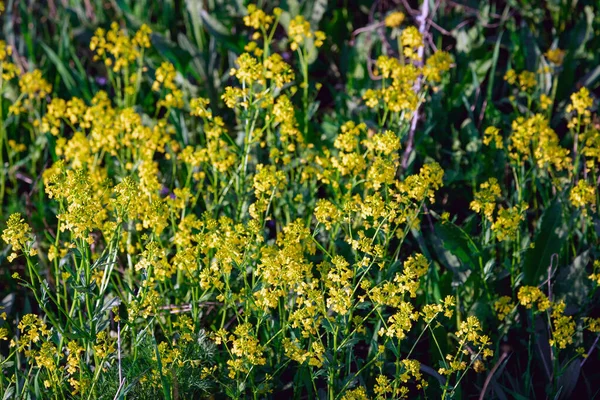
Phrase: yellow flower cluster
(436, 65)
(117, 49)
(18, 235)
(300, 30)
(471, 342)
(423, 185)
(563, 326)
(8, 70)
(33, 329)
(217, 152)
(545, 102)
(533, 139)
(327, 213)
(411, 370)
(555, 56)
(289, 136)
(84, 210)
(526, 80)
(595, 275)
(411, 40)
(165, 78)
(245, 349)
(431, 311)
(583, 195)
(508, 220)
(3, 330)
(593, 324)
(485, 198)
(359, 393)
(394, 19)
(591, 149)
(34, 88)
(492, 134)
(530, 295)
(399, 96)
(503, 307)
(104, 346)
(581, 102)
(258, 19)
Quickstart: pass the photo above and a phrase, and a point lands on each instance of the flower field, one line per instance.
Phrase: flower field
(312, 199)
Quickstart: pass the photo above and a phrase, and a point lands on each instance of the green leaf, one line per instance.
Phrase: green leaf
(179, 57)
(568, 380)
(8, 394)
(572, 282)
(458, 243)
(166, 387)
(495, 56)
(61, 68)
(548, 242)
(214, 26)
(318, 10)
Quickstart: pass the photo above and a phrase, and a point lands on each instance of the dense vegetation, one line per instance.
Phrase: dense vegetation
(313, 199)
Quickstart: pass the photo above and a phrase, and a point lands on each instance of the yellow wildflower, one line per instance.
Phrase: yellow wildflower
(563, 327)
(394, 19)
(485, 198)
(18, 235)
(436, 65)
(490, 134)
(530, 295)
(257, 18)
(583, 195)
(555, 56)
(411, 40)
(298, 31)
(503, 307)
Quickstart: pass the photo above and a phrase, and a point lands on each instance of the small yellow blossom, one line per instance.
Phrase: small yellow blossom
(411, 40)
(18, 235)
(530, 295)
(356, 394)
(593, 324)
(581, 102)
(436, 65)
(492, 134)
(257, 18)
(394, 19)
(503, 307)
(298, 31)
(563, 326)
(545, 102)
(485, 199)
(595, 276)
(583, 195)
(555, 56)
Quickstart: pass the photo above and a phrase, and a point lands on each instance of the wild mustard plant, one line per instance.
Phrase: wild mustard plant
(222, 245)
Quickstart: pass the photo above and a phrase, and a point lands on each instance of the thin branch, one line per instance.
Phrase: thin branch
(434, 373)
(438, 28)
(119, 351)
(589, 351)
(121, 381)
(470, 9)
(408, 8)
(367, 28)
(422, 19)
(488, 379)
